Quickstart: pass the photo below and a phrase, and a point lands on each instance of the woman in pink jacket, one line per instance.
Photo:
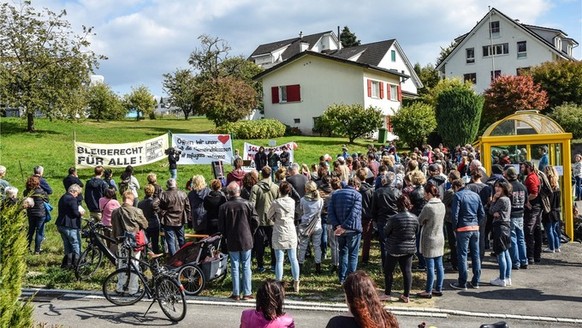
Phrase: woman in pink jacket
(269, 310)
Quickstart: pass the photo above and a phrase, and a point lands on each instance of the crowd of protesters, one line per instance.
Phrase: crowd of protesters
(413, 203)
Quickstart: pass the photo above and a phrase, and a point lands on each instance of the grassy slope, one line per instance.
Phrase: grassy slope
(52, 147)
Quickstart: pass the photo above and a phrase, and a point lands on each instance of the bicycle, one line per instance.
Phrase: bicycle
(92, 257)
(128, 285)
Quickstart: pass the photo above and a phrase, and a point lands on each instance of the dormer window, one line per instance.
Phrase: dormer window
(494, 28)
(558, 43)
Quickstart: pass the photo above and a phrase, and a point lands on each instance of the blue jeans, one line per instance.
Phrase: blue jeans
(504, 261)
(553, 233)
(241, 260)
(280, 256)
(35, 225)
(172, 234)
(431, 262)
(349, 247)
(323, 239)
(578, 188)
(174, 174)
(518, 251)
(465, 240)
(71, 240)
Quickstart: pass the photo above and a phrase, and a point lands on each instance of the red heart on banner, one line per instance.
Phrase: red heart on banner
(223, 138)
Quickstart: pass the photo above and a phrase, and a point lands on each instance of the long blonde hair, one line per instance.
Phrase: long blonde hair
(552, 175)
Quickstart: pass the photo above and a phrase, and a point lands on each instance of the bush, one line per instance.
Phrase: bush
(13, 313)
(412, 124)
(292, 131)
(256, 129)
(569, 116)
(458, 113)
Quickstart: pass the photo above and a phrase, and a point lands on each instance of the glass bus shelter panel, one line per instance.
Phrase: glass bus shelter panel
(507, 155)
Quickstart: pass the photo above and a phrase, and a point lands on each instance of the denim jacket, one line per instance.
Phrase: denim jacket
(466, 209)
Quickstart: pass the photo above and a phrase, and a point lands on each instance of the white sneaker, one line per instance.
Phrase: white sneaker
(498, 282)
(508, 282)
(547, 250)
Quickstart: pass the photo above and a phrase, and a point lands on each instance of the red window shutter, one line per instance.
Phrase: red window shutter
(369, 88)
(293, 93)
(381, 90)
(275, 95)
(399, 93)
(388, 124)
(388, 91)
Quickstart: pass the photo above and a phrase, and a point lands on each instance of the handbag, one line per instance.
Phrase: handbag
(48, 208)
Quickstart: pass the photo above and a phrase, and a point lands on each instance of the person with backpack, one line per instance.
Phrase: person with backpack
(95, 190)
(532, 214)
(129, 182)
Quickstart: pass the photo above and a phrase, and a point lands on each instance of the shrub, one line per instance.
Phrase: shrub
(458, 113)
(569, 116)
(256, 129)
(353, 121)
(292, 131)
(13, 313)
(412, 124)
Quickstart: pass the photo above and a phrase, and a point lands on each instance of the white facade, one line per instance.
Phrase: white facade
(322, 82)
(402, 65)
(514, 48)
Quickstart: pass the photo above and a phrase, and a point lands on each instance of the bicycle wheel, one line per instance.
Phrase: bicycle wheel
(120, 289)
(171, 298)
(192, 278)
(89, 262)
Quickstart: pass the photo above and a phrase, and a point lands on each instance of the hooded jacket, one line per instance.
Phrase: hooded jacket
(282, 214)
(127, 218)
(94, 190)
(236, 176)
(211, 204)
(262, 195)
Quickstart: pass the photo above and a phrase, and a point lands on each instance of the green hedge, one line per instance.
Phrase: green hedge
(256, 129)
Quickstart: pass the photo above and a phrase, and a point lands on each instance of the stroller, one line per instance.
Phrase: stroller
(198, 263)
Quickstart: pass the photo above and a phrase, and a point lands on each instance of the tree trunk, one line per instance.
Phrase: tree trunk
(186, 114)
(30, 122)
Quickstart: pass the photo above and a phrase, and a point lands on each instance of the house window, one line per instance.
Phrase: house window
(375, 89)
(495, 74)
(496, 49)
(522, 70)
(393, 55)
(470, 53)
(521, 49)
(494, 28)
(471, 77)
(286, 93)
(393, 92)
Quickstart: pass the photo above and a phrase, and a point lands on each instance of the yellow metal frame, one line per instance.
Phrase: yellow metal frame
(486, 142)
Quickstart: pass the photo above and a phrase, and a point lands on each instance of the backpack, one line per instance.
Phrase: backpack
(124, 185)
(545, 192)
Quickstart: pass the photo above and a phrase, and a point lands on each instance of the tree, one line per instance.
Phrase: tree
(445, 84)
(103, 103)
(182, 88)
(43, 63)
(510, 93)
(445, 52)
(226, 99)
(13, 313)
(429, 77)
(413, 123)
(348, 39)
(206, 60)
(561, 79)
(141, 100)
(353, 121)
(457, 113)
(569, 116)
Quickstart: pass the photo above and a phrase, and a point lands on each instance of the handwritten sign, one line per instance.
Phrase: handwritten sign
(203, 148)
(120, 155)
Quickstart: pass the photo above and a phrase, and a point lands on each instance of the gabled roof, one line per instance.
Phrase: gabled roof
(528, 29)
(293, 45)
(327, 57)
(371, 53)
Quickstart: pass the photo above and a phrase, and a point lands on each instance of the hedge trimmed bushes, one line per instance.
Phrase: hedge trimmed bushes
(256, 129)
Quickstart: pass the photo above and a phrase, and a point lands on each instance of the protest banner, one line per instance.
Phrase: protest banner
(120, 155)
(203, 148)
(250, 150)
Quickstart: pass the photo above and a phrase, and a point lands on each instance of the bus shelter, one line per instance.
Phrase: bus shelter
(527, 136)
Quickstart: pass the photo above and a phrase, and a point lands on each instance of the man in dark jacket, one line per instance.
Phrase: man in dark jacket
(260, 158)
(68, 224)
(384, 206)
(273, 162)
(238, 221)
(345, 214)
(174, 212)
(94, 190)
(72, 178)
(519, 196)
(466, 215)
(367, 192)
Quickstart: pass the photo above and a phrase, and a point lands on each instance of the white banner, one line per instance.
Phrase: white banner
(120, 155)
(203, 148)
(250, 150)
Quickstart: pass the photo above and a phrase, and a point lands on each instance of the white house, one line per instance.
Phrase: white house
(299, 89)
(499, 45)
(383, 54)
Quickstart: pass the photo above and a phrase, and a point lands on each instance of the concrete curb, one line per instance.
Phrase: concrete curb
(317, 306)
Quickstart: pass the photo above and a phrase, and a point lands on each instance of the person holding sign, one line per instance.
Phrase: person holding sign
(285, 157)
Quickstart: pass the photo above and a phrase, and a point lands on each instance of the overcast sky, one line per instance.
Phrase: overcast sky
(147, 38)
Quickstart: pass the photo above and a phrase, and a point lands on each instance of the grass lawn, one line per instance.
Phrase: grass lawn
(52, 147)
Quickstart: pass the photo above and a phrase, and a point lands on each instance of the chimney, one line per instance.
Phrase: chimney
(339, 46)
(301, 34)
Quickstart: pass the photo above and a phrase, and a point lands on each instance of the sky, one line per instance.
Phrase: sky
(145, 39)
